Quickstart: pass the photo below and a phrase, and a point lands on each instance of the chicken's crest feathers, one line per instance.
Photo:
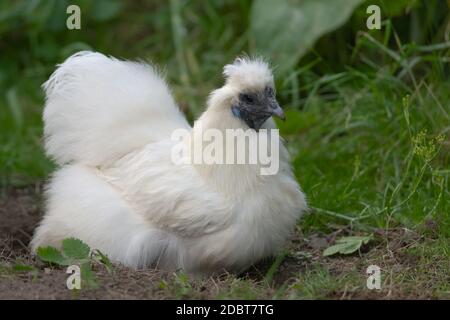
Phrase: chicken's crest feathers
(246, 72)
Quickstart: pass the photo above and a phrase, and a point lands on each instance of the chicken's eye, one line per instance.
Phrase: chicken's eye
(270, 92)
(246, 98)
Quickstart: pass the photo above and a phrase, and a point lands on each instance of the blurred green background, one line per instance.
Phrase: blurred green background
(368, 110)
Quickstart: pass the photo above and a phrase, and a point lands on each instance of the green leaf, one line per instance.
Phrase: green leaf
(52, 255)
(347, 245)
(88, 278)
(364, 239)
(284, 30)
(75, 249)
(331, 250)
(103, 259)
(350, 247)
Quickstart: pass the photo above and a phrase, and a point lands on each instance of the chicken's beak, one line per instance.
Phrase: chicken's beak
(277, 111)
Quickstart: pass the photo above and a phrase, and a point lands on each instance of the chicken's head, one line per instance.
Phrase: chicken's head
(252, 85)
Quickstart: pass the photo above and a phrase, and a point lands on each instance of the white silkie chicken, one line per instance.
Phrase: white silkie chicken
(108, 124)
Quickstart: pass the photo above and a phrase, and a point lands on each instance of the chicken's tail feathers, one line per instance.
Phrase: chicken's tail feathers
(98, 109)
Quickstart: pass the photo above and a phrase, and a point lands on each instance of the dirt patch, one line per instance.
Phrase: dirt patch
(51, 284)
(20, 211)
(301, 273)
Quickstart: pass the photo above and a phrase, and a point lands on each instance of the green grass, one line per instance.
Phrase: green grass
(22, 160)
(371, 161)
(367, 127)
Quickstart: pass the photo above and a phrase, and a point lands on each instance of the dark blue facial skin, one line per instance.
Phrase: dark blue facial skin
(254, 108)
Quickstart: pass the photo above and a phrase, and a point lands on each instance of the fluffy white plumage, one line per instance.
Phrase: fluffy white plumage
(108, 123)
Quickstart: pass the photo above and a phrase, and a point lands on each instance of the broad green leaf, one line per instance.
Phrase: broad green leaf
(350, 247)
(52, 255)
(75, 249)
(347, 245)
(284, 30)
(332, 250)
(364, 239)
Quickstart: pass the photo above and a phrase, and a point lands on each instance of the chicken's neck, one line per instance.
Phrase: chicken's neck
(228, 176)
